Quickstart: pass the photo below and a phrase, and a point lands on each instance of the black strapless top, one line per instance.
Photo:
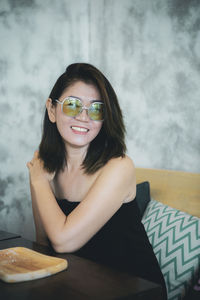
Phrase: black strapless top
(121, 243)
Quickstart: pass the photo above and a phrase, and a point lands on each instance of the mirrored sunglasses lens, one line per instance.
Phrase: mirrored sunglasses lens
(96, 111)
(72, 107)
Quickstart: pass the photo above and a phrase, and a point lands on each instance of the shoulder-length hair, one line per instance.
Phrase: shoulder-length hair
(109, 143)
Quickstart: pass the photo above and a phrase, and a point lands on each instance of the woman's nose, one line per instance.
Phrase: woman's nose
(83, 116)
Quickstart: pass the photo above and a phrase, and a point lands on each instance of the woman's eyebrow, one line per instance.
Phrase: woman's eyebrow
(91, 101)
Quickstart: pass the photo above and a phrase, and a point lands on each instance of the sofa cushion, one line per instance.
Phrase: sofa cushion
(175, 238)
(142, 196)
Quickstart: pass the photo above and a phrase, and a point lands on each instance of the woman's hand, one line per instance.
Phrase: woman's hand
(37, 172)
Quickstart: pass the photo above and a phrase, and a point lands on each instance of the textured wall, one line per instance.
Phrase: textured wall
(150, 51)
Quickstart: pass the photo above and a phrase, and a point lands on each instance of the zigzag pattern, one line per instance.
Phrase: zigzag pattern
(175, 238)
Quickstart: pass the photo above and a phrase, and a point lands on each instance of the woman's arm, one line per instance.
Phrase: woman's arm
(41, 191)
(114, 185)
(41, 236)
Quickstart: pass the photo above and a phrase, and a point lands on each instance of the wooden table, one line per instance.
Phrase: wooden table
(83, 279)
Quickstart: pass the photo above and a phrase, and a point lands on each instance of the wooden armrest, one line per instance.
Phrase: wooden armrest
(180, 190)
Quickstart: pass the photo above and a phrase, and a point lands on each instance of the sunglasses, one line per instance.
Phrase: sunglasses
(72, 107)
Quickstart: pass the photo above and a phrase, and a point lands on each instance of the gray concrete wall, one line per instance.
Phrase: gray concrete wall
(148, 49)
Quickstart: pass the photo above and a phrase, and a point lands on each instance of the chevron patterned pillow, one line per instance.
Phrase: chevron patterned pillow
(175, 238)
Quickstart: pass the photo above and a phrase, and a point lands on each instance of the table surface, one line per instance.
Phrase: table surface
(83, 279)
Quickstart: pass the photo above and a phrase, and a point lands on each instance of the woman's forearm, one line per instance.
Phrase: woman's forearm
(41, 236)
(48, 216)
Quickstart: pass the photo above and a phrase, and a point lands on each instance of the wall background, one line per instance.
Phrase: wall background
(148, 49)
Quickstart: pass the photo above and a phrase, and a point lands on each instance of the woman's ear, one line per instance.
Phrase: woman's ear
(51, 109)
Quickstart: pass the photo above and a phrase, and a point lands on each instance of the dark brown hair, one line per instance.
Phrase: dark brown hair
(107, 144)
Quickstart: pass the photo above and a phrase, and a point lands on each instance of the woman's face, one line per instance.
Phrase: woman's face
(79, 130)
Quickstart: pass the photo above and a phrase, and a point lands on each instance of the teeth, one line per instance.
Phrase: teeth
(79, 129)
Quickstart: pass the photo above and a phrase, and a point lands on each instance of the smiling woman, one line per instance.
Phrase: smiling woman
(82, 183)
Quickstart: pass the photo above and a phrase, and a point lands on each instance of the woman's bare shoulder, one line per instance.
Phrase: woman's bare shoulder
(119, 173)
(120, 169)
(121, 163)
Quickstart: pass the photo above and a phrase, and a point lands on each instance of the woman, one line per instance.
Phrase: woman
(82, 183)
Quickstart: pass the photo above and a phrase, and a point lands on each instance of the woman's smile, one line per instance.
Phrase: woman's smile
(79, 130)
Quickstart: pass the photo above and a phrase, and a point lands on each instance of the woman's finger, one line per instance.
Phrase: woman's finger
(29, 165)
(36, 154)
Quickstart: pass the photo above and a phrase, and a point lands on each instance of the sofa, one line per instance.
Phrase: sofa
(170, 212)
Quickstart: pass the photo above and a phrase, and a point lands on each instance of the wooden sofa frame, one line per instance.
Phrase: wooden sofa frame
(180, 190)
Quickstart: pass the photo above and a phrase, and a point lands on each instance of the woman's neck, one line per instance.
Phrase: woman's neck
(75, 157)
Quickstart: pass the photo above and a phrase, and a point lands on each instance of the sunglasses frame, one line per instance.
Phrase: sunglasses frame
(82, 106)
